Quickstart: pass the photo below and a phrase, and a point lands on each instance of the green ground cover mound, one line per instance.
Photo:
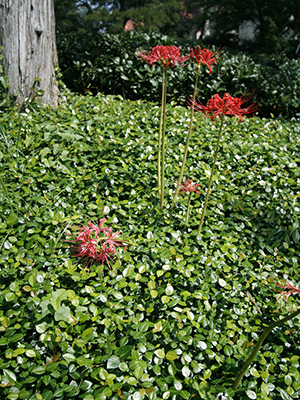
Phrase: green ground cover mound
(177, 315)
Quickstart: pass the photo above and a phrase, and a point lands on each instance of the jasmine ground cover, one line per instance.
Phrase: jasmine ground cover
(178, 314)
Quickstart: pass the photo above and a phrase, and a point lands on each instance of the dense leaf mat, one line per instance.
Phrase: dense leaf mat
(177, 315)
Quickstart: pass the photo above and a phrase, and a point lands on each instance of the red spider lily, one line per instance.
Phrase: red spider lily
(96, 242)
(227, 105)
(287, 285)
(166, 55)
(189, 186)
(204, 56)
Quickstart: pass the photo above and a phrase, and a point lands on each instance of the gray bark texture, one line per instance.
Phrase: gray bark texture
(27, 33)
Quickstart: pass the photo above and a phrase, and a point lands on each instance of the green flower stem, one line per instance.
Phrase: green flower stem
(163, 140)
(159, 137)
(211, 177)
(258, 345)
(188, 209)
(10, 230)
(187, 140)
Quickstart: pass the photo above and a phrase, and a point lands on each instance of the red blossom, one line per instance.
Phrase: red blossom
(204, 56)
(189, 186)
(227, 105)
(287, 285)
(166, 55)
(95, 242)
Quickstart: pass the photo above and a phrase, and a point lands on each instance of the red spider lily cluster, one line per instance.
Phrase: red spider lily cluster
(215, 107)
(166, 55)
(96, 243)
(227, 105)
(189, 186)
(290, 289)
(204, 56)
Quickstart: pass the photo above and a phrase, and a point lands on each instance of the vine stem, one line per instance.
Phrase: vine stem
(211, 177)
(258, 345)
(187, 140)
(163, 137)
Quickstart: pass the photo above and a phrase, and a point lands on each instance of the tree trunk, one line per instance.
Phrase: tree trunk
(27, 32)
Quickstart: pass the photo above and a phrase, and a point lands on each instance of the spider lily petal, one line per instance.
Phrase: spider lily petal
(189, 186)
(166, 55)
(204, 56)
(227, 105)
(95, 243)
(290, 289)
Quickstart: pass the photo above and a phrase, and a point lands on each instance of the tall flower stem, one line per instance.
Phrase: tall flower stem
(159, 137)
(162, 148)
(258, 345)
(187, 140)
(188, 209)
(211, 177)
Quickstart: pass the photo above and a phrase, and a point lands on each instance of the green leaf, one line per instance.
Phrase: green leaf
(284, 394)
(13, 396)
(288, 380)
(254, 372)
(32, 280)
(251, 394)
(41, 328)
(83, 361)
(88, 397)
(207, 374)
(10, 296)
(160, 353)
(186, 371)
(69, 357)
(87, 332)
(222, 282)
(12, 219)
(202, 345)
(63, 313)
(178, 385)
(153, 293)
(11, 376)
(58, 393)
(113, 362)
(228, 350)
(169, 290)
(125, 351)
(185, 394)
(138, 372)
(103, 298)
(171, 355)
(56, 302)
(132, 381)
(39, 370)
(30, 353)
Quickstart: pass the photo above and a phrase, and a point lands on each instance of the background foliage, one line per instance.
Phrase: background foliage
(276, 22)
(111, 15)
(107, 64)
(176, 317)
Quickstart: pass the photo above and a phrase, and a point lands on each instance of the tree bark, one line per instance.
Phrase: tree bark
(27, 33)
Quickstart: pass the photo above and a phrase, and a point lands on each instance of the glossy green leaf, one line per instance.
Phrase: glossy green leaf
(171, 355)
(113, 362)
